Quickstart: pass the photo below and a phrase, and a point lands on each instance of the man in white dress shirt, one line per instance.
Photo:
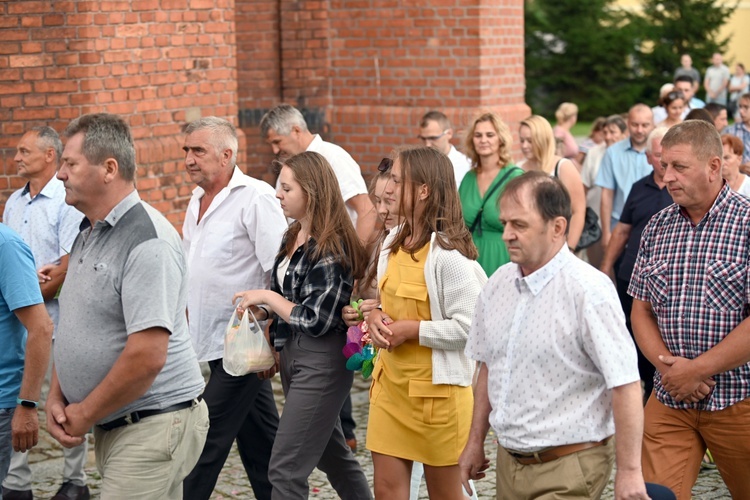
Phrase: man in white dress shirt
(232, 232)
(558, 373)
(435, 131)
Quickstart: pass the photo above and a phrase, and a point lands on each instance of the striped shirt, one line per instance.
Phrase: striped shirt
(319, 289)
(697, 279)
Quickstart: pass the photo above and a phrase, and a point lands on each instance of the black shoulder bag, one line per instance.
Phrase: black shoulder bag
(591, 230)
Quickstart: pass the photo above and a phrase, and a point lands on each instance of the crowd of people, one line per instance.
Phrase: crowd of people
(549, 298)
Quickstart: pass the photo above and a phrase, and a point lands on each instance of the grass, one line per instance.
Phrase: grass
(581, 129)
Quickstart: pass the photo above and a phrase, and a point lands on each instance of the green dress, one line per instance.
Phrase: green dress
(488, 234)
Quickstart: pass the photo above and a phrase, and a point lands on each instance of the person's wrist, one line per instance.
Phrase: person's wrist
(266, 311)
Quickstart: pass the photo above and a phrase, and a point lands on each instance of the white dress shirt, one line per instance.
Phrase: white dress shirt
(461, 164)
(555, 345)
(346, 169)
(230, 250)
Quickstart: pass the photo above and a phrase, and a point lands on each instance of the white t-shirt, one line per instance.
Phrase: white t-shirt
(231, 249)
(346, 169)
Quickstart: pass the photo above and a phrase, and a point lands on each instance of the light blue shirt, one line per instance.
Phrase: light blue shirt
(18, 288)
(621, 167)
(46, 223)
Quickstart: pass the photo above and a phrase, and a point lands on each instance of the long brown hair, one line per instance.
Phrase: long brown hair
(330, 224)
(442, 208)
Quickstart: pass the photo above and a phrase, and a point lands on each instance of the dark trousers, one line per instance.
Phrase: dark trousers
(241, 408)
(645, 368)
(347, 419)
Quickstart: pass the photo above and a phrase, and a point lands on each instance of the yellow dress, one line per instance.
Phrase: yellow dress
(410, 417)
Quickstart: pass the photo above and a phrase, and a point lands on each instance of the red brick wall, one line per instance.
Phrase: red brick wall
(362, 71)
(154, 62)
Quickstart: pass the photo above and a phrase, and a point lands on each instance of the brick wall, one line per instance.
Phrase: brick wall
(157, 63)
(362, 71)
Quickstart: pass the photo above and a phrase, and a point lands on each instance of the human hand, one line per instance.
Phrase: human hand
(43, 273)
(268, 374)
(400, 332)
(377, 324)
(24, 428)
(681, 381)
(472, 464)
(351, 313)
(55, 418)
(368, 305)
(76, 423)
(250, 299)
(629, 485)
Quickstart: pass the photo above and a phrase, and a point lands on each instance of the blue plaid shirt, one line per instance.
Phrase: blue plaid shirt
(740, 130)
(319, 288)
(697, 279)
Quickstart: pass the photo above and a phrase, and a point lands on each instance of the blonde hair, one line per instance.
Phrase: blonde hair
(503, 132)
(330, 224)
(565, 112)
(542, 141)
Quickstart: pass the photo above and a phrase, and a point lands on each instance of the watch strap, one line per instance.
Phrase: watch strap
(27, 403)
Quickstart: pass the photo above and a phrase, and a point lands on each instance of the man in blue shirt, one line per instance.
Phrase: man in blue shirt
(25, 336)
(624, 163)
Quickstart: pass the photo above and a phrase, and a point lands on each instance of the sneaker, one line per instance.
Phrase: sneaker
(708, 461)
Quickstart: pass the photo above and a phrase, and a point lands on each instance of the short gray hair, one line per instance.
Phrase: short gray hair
(106, 136)
(223, 133)
(281, 119)
(657, 134)
(47, 137)
(701, 136)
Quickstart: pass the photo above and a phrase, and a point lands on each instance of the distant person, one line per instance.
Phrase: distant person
(566, 116)
(686, 85)
(674, 102)
(660, 112)
(595, 138)
(700, 114)
(718, 115)
(739, 84)
(730, 171)
(741, 129)
(489, 144)
(615, 129)
(435, 131)
(716, 80)
(686, 69)
(537, 147)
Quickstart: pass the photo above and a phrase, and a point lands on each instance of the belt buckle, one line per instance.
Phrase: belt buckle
(132, 418)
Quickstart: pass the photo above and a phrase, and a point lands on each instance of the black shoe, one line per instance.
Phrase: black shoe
(9, 494)
(71, 491)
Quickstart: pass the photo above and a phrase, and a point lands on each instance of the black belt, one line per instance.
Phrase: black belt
(137, 416)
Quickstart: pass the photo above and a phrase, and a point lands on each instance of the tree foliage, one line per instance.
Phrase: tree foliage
(605, 59)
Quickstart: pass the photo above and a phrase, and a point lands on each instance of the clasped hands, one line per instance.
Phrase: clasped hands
(67, 424)
(682, 382)
(384, 332)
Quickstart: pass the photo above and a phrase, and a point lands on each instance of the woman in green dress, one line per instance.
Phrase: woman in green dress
(488, 145)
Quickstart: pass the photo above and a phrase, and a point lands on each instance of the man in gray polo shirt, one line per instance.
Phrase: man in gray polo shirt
(124, 362)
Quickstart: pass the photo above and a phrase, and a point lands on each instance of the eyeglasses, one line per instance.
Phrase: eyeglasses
(431, 138)
(385, 165)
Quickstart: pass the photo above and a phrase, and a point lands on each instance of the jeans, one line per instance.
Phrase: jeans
(6, 442)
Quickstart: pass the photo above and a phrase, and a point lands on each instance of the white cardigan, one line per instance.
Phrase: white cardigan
(453, 285)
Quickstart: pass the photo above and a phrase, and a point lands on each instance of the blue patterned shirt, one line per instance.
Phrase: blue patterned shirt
(740, 130)
(697, 279)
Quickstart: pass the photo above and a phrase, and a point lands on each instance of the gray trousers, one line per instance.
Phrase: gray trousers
(19, 474)
(316, 383)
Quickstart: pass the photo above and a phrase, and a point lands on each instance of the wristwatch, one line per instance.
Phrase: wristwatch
(27, 403)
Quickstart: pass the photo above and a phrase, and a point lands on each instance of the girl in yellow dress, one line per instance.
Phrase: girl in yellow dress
(421, 399)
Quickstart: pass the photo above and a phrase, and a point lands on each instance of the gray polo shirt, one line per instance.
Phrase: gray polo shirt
(126, 274)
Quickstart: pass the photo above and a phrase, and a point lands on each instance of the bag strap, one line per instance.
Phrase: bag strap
(557, 166)
(487, 196)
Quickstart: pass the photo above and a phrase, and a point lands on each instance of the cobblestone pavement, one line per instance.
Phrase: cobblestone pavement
(46, 460)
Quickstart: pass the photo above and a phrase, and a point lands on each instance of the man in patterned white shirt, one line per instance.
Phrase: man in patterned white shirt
(558, 373)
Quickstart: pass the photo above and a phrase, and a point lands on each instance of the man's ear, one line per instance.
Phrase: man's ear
(111, 169)
(561, 226)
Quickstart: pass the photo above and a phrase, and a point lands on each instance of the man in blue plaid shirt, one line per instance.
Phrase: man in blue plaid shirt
(691, 290)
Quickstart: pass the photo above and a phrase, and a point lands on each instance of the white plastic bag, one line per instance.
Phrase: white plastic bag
(246, 349)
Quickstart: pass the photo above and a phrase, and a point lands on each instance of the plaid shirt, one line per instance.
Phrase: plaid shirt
(740, 130)
(697, 279)
(319, 290)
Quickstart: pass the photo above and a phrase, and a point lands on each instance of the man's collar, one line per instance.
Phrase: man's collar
(316, 141)
(537, 280)
(49, 190)
(122, 208)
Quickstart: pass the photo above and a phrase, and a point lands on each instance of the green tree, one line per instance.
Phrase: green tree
(581, 52)
(669, 28)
